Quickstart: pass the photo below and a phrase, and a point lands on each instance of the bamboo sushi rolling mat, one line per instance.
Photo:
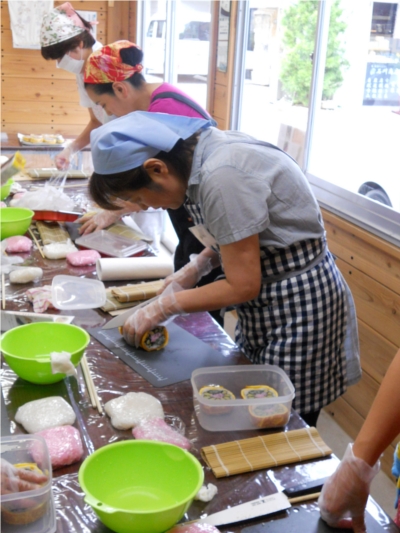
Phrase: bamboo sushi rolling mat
(141, 291)
(277, 449)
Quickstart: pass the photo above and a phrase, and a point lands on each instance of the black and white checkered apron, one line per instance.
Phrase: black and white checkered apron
(298, 320)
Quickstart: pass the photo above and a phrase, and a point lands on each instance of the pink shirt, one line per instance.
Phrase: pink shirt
(171, 106)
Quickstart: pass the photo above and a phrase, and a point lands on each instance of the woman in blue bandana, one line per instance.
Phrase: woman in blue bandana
(255, 213)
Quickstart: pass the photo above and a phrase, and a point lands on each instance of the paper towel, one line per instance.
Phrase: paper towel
(134, 268)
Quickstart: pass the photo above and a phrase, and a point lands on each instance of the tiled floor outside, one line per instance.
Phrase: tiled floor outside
(383, 488)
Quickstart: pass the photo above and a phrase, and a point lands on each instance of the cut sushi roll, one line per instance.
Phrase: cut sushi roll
(154, 339)
(219, 394)
(252, 392)
(269, 416)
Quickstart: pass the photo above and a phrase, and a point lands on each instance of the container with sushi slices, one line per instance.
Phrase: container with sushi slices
(23, 509)
(242, 397)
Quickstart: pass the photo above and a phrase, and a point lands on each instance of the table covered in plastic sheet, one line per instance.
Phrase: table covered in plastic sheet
(112, 378)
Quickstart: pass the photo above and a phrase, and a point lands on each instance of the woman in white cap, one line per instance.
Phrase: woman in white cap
(67, 38)
(255, 213)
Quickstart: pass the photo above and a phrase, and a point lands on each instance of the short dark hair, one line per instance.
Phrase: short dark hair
(105, 189)
(58, 50)
(130, 56)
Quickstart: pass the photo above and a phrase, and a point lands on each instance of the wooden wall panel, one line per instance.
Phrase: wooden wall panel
(358, 248)
(377, 351)
(62, 113)
(40, 90)
(351, 421)
(371, 267)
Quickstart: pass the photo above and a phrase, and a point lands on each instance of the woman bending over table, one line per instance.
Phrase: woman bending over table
(255, 213)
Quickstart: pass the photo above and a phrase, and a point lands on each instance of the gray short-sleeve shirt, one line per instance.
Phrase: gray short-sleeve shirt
(246, 188)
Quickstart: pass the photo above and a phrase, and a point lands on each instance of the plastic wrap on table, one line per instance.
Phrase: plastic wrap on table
(112, 378)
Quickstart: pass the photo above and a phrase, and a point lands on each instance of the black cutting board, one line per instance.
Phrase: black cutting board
(302, 519)
(174, 363)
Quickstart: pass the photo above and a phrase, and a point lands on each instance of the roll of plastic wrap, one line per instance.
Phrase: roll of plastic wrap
(134, 268)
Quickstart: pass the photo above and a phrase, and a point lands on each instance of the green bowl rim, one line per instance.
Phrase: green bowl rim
(21, 219)
(33, 324)
(138, 442)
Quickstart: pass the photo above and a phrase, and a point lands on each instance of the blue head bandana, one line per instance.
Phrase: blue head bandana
(127, 142)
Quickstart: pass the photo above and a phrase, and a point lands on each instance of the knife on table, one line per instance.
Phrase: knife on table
(254, 508)
(120, 320)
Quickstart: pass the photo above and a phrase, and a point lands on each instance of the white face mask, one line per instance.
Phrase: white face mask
(75, 66)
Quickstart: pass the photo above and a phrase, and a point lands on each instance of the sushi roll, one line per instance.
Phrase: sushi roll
(154, 339)
(253, 392)
(269, 416)
(219, 394)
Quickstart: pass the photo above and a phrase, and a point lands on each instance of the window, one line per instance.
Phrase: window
(323, 83)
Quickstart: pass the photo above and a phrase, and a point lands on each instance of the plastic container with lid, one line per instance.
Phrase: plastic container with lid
(227, 414)
(29, 511)
(111, 244)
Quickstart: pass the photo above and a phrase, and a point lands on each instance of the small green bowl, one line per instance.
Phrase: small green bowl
(139, 485)
(14, 221)
(5, 189)
(27, 349)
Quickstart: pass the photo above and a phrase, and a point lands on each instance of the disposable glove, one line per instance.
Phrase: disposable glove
(100, 220)
(344, 496)
(189, 275)
(152, 315)
(63, 158)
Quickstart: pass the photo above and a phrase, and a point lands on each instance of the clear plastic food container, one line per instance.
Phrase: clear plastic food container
(219, 403)
(72, 292)
(30, 511)
(111, 244)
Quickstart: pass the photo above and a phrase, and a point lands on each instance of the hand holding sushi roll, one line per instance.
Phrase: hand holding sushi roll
(153, 314)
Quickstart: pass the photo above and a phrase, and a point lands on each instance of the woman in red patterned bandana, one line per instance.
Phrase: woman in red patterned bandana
(67, 38)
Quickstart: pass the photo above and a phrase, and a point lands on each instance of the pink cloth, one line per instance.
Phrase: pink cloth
(157, 429)
(64, 444)
(41, 298)
(169, 105)
(72, 14)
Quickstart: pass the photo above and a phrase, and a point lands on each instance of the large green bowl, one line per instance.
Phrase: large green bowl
(27, 349)
(140, 486)
(14, 221)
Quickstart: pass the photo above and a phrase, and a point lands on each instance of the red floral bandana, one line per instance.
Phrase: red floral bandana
(105, 65)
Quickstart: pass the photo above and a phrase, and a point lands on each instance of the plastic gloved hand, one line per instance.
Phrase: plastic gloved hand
(96, 221)
(189, 275)
(19, 479)
(152, 315)
(63, 158)
(344, 496)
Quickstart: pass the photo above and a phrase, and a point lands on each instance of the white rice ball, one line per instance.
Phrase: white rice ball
(44, 414)
(130, 409)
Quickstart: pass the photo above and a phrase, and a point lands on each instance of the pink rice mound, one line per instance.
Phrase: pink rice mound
(64, 444)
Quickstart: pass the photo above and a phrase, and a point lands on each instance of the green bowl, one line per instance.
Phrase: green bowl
(5, 189)
(14, 221)
(27, 349)
(140, 486)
